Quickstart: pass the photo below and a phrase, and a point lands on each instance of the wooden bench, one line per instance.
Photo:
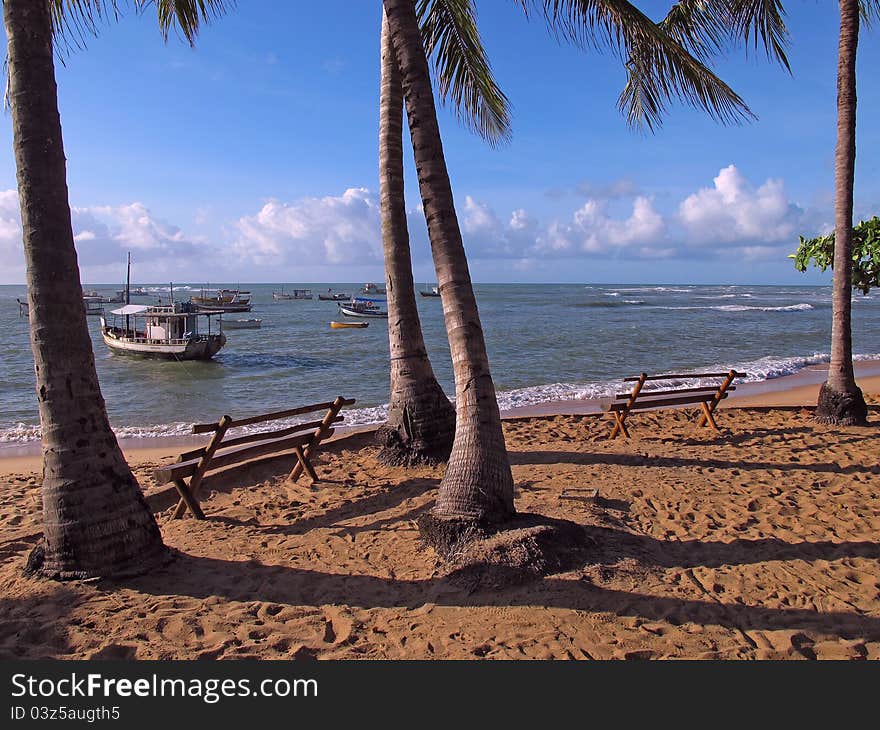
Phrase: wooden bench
(708, 396)
(302, 438)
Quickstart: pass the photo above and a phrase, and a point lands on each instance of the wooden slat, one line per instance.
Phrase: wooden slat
(642, 404)
(672, 391)
(194, 454)
(208, 427)
(685, 376)
(264, 435)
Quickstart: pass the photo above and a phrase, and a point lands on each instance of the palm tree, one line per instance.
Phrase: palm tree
(421, 420)
(840, 399)
(708, 25)
(478, 485)
(96, 521)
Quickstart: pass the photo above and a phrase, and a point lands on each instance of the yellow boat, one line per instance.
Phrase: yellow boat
(348, 325)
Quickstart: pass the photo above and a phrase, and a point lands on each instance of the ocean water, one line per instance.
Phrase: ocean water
(546, 342)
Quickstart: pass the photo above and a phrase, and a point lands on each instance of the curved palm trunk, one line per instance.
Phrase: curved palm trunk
(421, 420)
(840, 399)
(96, 522)
(478, 485)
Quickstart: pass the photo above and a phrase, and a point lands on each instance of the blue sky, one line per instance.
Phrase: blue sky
(253, 156)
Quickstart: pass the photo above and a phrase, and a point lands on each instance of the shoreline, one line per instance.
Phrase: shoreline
(798, 389)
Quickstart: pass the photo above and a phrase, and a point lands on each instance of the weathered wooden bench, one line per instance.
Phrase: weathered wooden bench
(302, 438)
(708, 396)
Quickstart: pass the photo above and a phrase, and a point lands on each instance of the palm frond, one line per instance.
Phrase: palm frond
(186, 16)
(658, 63)
(461, 68)
(73, 20)
(761, 22)
(701, 26)
(870, 11)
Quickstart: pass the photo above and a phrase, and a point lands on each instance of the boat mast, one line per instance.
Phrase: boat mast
(127, 291)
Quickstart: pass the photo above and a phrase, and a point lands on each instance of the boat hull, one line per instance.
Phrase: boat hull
(348, 325)
(202, 348)
(242, 324)
(354, 313)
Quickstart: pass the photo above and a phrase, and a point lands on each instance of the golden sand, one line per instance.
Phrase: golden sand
(756, 542)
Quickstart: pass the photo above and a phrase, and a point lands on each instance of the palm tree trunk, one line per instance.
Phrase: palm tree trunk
(840, 399)
(96, 522)
(421, 420)
(478, 484)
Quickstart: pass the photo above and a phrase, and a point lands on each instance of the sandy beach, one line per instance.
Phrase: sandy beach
(755, 542)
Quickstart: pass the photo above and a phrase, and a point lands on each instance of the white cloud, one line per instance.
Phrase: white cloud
(735, 211)
(103, 235)
(344, 229)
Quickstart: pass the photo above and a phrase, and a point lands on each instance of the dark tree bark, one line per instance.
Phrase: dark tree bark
(478, 484)
(840, 399)
(421, 420)
(96, 522)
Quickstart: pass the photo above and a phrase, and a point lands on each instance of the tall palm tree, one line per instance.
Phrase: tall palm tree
(709, 25)
(96, 521)
(840, 399)
(421, 420)
(478, 484)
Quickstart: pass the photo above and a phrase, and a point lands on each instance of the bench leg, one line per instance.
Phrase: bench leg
(619, 425)
(304, 462)
(708, 419)
(188, 499)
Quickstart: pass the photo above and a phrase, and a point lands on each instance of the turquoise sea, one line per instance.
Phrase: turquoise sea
(546, 342)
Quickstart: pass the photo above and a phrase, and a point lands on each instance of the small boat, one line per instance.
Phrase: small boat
(332, 296)
(363, 307)
(372, 289)
(348, 325)
(242, 324)
(295, 294)
(435, 292)
(92, 306)
(225, 300)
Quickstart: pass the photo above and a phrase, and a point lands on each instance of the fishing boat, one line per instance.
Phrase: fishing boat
(225, 300)
(372, 289)
(242, 324)
(434, 292)
(94, 305)
(178, 331)
(332, 296)
(363, 307)
(295, 294)
(348, 325)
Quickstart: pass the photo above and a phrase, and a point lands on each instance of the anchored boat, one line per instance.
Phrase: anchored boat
(242, 324)
(348, 325)
(363, 307)
(179, 331)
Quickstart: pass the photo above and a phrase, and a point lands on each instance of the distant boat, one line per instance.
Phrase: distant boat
(242, 324)
(435, 292)
(332, 296)
(92, 306)
(295, 294)
(225, 300)
(372, 289)
(164, 332)
(348, 325)
(363, 307)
